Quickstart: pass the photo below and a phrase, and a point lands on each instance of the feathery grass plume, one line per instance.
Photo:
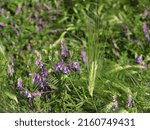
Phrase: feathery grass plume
(94, 49)
(92, 77)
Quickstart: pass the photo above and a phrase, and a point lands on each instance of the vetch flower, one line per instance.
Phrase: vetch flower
(27, 94)
(71, 65)
(37, 78)
(44, 71)
(20, 83)
(40, 78)
(38, 62)
(139, 60)
(145, 30)
(59, 66)
(76, 65)
(37, 94)
(66, 70)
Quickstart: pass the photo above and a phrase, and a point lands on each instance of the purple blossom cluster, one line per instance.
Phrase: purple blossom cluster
(64, 67)
(67, 69)
(40, 79)
(26, 92)
(145, 30)
(140, 61)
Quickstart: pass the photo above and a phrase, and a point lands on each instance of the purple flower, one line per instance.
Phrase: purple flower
(130, 102)
(64, 51)
(145, 30)
(37, 78)
(2, 24)
(139, 60)
(41, 77)
(71, 66)
(37, 94)
(27, 94)
(66, 70)
(59, 66)
(38, 62)
(76, 65)
(44, 71)
(84, 56)
(20, 83)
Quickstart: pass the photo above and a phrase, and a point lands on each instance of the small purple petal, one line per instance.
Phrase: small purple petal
(44, 71)
(66, 70)
(139, 60)
(145, 30)
(38, 62)
(20, 83)
(2, 24)
(36, 94)
(76, 65)
(37, 78)
(70, 64)
(27, 94)
(59, 66)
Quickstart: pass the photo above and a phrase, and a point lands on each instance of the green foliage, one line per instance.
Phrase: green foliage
(109, 31)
